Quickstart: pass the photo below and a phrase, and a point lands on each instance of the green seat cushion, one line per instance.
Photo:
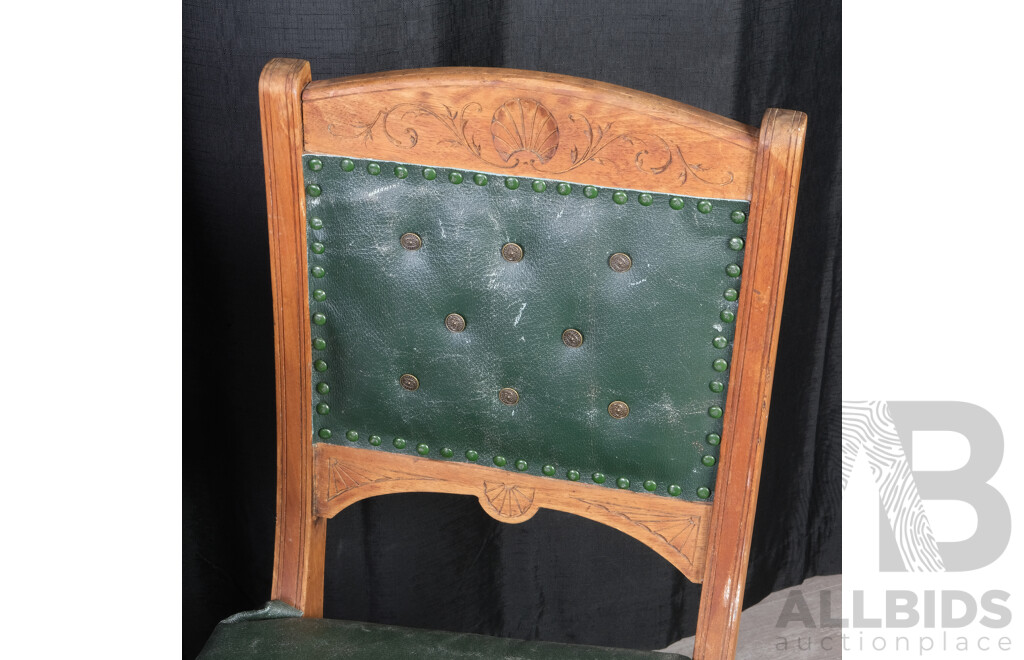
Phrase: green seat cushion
(299, 638)
(656, 336)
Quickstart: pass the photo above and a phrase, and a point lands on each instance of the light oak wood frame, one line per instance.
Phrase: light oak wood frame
(707, 155)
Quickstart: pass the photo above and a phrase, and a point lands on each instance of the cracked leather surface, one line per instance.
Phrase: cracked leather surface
(648, 333)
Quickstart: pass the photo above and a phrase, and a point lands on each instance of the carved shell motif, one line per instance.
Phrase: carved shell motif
(524, 125)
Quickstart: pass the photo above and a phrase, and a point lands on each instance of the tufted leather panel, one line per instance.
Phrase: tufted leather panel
(262, 635)
(656, 336)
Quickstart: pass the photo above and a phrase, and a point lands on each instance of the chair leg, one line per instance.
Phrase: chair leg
(772, 209)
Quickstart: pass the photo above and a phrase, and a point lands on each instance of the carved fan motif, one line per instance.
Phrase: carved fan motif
(680, 532)
(524, 125)
(509, 501)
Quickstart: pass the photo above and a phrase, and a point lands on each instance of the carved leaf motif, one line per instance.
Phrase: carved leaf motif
(524, 125)
(509, 501)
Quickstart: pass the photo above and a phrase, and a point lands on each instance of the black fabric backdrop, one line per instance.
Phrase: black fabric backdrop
(438, 560)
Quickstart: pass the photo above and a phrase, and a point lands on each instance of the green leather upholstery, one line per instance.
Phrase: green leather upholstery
(657, 336)
(295, 638)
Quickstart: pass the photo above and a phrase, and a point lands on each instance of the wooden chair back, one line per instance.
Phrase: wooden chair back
(495, 132)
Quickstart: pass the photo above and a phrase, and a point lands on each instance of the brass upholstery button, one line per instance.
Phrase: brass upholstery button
(512, 252)
(618, 409)
(508, 396)
(409, 382)
(620, 262)
(572, 338)
(411, 241)
(455, 322)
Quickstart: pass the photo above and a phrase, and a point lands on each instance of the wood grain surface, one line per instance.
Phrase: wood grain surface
(772, 209)
(299, 546)
(675, 529)
(530, 124)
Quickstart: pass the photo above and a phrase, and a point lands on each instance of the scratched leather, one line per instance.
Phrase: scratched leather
(293, 638)
(647, 332)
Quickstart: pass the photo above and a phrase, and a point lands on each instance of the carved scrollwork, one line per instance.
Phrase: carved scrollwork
(526, 126)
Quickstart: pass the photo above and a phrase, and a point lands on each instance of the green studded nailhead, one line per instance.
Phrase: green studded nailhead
(399, 443)
(622, 482)
(727, 316)
(714, 439)
(736, 243)
(719, 342)
(511, 183)
(738, 216)
(318, 271)
(375, 440)
(401, 172)
(645, 199)
(619, 197)
(521, 465)
(373, 168)
(319, 344)
(319, 319)
(323, 388)
(573, 475)
(322, 409)
(320, 365)
(708, 460)
(732, 270)
(731, 294)
(703, 493)
(598, 478)
(539, 186)
(447, 452)
(564, 189)
(716, 386)
(675, 203)
(347, 165)
(715, 411)
(480, 179)
(313, 190)
(317, 248)
(429, 174)
(650, 485)
(719, 365)
(315, 164)
(316, 223)
(455, 177)
(674, 490)
(590, 192)
(319, 295)
(351, 436)
(704, 206)
(422, 449)
(324, 433)
(548, 470)
(472, 455)
(500, 461)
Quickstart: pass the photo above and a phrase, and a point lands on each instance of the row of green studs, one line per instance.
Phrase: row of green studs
(591, 192)
(521, 465)
(727, 316)
(512, 183)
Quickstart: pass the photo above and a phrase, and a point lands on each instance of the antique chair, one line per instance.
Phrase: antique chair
(523, 287)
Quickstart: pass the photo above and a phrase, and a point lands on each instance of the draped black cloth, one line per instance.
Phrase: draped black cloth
(439, 561)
